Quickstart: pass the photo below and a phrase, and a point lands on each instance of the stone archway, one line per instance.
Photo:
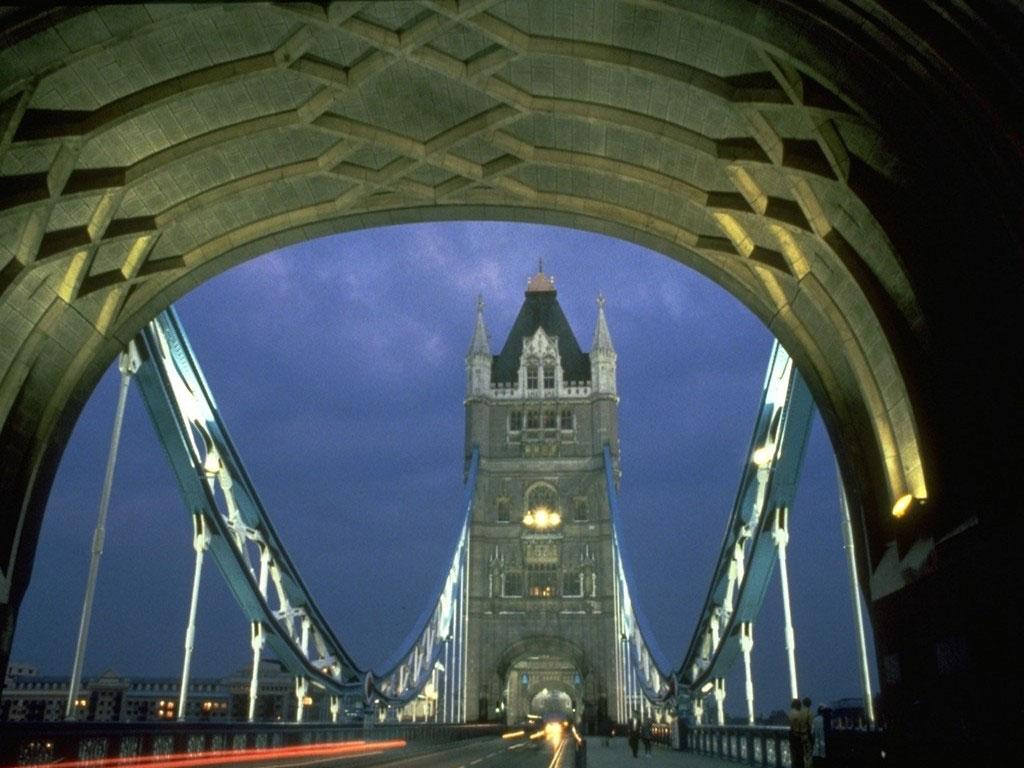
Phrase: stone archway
(535, 663)
(850, 171)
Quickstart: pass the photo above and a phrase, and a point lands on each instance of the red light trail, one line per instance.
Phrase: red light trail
(225, 756)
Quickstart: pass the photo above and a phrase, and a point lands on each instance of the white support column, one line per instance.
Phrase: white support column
(746, 646)
(264, 568)
(720, 699)
(851, 557)
(698, 709)
(335, 708)
(464, 610)
(451, 673)
(437, 693)
(254, 681)
(128, 364)
(634, 688)
(200, 541)
(617, 624)
(301, 686)
(447, 678)
(465, 635)
(781, 537)
(304, 639)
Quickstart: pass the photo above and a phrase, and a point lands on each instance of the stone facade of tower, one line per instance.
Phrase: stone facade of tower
(541, 593)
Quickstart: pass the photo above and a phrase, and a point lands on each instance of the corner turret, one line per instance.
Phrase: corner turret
(602, 355)
(478, 359)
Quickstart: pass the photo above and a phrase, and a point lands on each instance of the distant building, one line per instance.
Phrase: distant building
(541, 623)
(111, 698)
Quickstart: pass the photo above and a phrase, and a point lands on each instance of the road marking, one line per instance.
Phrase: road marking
(558, 754)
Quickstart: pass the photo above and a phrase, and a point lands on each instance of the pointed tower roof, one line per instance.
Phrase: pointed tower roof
(602, 341)
(541, 283)
(541, 310)
(481, 344)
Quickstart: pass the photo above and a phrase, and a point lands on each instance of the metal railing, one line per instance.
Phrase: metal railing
(768, 745)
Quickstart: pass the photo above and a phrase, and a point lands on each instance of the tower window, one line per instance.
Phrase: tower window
(533, 419)
(542, 580)
(567, 420)
(511, 585)
(549, 377)
(572, 584)
(515, 421)
(579, 510)
(531, 377)
(502, 510)
(550, 421)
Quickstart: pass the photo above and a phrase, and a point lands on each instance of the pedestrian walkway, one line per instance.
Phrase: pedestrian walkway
(617, 755)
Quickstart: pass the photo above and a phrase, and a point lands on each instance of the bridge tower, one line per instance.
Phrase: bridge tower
(541, 628)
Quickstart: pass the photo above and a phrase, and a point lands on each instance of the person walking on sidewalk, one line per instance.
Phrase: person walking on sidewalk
(645, 736)
(634, 731)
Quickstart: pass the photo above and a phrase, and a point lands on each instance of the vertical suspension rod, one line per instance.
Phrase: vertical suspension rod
(747, 645)
(851, 557)
(254, 680)
(781, 535)
(200, 540)
(128, 365)
(620, 659)
(465, 632)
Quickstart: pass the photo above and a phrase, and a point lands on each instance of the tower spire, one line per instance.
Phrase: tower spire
(481, 344)
(602, 341)
(602, 354)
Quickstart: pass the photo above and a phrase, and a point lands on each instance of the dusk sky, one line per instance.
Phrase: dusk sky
(338, 366)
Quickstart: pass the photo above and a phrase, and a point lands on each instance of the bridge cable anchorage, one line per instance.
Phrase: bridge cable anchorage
(755, 538)
(128, 364)
(237, 531)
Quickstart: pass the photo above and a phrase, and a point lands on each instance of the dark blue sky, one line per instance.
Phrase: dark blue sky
(338, 365)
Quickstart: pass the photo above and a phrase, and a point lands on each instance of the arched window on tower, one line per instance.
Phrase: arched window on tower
(542, 496)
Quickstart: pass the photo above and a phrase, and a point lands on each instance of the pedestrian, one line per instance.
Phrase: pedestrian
(818, 752)
(580, 754)
(645, 736)
(796, 744)
(634, 731)
(805, 731)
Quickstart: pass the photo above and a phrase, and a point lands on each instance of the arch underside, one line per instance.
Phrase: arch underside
(146, 149)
